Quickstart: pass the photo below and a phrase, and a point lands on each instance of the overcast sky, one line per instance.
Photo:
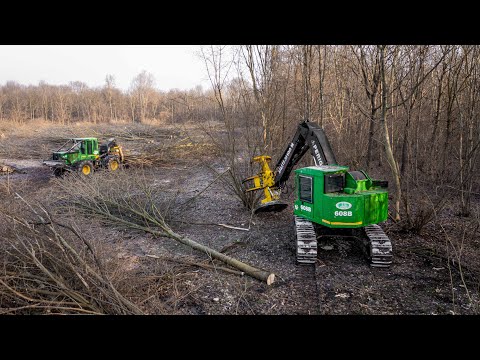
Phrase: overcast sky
(173, 66)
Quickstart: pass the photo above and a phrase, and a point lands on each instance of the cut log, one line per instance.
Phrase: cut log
(262, 275)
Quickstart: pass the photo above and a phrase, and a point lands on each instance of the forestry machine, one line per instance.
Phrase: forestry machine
(84, 155)
(330, 199)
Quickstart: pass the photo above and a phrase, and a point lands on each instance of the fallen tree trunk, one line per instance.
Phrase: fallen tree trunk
(269, 278)
(262, 275)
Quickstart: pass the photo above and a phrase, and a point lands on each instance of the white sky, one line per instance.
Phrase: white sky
(173, 66)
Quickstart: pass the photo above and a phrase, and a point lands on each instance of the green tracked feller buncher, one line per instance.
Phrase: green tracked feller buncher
(330, 199)
(85, 155)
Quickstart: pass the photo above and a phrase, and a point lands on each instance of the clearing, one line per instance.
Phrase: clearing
(421, 279)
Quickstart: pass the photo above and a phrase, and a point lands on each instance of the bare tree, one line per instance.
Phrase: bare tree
(414, 106)
(384, 128)
(109, 90)
(368, 58)
(141, 88)
(262, 62)
(322, 69)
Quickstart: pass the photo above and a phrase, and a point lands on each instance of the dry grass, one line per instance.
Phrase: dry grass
(168, 153)
(48, 266)
(54, 262)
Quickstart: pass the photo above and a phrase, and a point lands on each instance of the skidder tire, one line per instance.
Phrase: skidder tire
(113, 164)
(85, 168)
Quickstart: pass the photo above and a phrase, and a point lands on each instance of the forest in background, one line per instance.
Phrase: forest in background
(410, 112)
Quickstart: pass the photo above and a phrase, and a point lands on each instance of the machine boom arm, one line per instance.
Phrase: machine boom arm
(308, 135)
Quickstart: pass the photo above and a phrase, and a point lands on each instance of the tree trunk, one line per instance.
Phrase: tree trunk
(386, 137)
(371, 133)
(262, 275)
(321, 78)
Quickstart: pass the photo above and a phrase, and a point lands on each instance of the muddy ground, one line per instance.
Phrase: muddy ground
(421, 280)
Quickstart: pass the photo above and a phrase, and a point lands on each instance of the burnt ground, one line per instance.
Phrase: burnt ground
(420, 280)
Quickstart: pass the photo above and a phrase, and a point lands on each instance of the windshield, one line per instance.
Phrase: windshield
(70, 145)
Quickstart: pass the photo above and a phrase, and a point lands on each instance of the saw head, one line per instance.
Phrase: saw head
(265, 180)
(271, 206)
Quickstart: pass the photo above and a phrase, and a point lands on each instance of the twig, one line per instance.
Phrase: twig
(144, 215)
(233, 227)
(228, 247)
(211, 224)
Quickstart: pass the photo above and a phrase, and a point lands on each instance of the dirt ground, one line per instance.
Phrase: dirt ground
(420, 280)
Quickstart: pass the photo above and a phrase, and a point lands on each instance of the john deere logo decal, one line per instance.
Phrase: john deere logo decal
(343, 205)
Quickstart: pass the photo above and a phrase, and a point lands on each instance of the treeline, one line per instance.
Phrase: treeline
(78, 102)
(411, 111)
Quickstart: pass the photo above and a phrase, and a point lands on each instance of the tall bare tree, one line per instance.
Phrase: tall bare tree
(141, 89)
(262, 62)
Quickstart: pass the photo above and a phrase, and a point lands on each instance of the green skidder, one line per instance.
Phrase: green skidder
(85, 155)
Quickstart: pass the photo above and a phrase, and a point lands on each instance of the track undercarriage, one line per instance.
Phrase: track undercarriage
(375, 244)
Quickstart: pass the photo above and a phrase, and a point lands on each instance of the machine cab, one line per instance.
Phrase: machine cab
(332, 196)
(88, 146)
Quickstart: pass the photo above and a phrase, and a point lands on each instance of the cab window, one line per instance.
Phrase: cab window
(334, 182)
(306, 188)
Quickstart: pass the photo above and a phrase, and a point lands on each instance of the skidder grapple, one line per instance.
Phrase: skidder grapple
(84, 155)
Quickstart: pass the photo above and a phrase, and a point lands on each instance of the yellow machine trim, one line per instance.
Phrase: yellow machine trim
(114, 165)
(118, 149)
(341, 223)
(86, 169)
(263, 180)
